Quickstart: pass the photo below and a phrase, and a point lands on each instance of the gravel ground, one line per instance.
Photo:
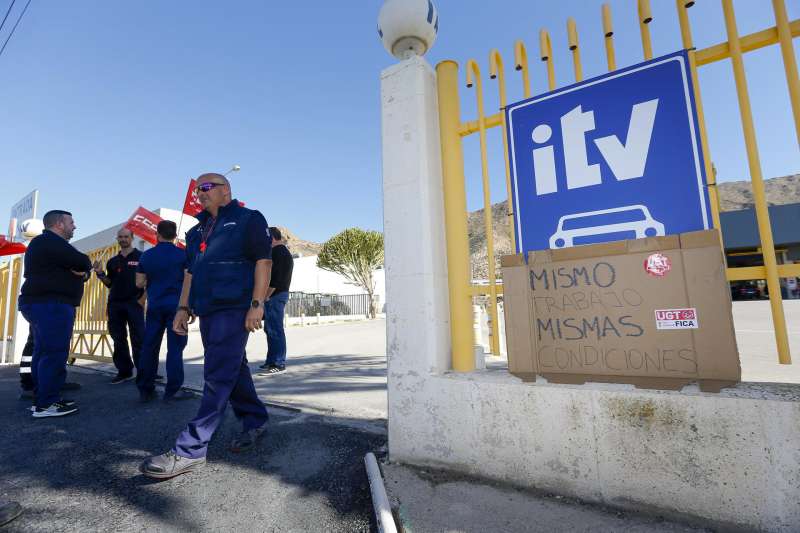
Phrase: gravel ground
(80, 472)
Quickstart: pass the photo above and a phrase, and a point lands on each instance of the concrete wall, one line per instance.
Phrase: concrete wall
(732, 458)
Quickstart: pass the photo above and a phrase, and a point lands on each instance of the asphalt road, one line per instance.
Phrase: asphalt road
(80, 472)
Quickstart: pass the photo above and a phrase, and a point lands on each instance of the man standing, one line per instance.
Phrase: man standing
(229, 262)
(53, 288)
(25, 377)
(277, 296)
(125, 305)
(161, 271)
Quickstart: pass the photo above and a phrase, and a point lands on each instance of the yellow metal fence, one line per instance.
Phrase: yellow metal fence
(90, 338)
(453, 130)
(10, 272)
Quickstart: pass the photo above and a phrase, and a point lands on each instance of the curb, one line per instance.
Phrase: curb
(380, 501)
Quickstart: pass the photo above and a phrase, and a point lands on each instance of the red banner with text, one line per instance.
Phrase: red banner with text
(191, 204)
(143, 224)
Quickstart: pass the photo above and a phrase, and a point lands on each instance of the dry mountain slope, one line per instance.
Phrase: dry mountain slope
(734, 195)
(737, 195)
(297, 245)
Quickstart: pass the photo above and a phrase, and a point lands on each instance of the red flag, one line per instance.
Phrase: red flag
(192, 205)
(143, 224)
(10, 248)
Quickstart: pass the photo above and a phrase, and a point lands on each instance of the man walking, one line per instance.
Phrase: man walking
(277, 296)
(53, 288)
(125, 305)
(229, 262)
(161, 271)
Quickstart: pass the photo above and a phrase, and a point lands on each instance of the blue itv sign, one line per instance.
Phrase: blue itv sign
(611, 158)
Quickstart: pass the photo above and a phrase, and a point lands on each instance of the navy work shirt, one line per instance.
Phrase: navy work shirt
(163, 265)
(221, 254)
(49, 260)
(121, 271)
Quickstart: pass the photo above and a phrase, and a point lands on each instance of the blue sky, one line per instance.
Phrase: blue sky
(105, 106)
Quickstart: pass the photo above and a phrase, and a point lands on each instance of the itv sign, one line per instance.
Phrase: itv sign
(611, 158)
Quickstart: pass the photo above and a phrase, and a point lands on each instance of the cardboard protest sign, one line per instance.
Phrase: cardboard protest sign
(653, 312)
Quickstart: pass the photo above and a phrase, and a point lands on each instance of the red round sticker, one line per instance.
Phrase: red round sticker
(657, 265)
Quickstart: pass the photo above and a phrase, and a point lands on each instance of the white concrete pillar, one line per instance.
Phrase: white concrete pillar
(417, 311)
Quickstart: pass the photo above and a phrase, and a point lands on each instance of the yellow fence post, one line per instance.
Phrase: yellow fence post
(759, 197)
(608, 34)
(474, 79)
(645, 18)
(521, 64)
(455, 215)
(497, 72)
(789, 61)
(572, 34)
(546, 53)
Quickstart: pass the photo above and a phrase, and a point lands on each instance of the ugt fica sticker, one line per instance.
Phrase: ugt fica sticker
(677, 318)
(657, 265)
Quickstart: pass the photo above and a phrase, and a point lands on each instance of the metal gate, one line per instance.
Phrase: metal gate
(90, 337)
(10, 280)
(453, 130)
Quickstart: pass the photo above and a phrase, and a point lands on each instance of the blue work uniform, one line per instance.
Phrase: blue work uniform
(221, 254)
(48, 299)
(163, 265)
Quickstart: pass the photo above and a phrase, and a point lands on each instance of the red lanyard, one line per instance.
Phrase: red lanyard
(206, 235)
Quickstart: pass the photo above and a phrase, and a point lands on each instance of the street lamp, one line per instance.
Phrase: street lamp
(234, 168)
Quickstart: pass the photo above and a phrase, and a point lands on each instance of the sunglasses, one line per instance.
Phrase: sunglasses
(207, 186)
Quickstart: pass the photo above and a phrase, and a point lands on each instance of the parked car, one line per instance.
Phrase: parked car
(745, 291)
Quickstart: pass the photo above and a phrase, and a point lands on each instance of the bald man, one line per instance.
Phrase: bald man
(125, 305)
(229, 259)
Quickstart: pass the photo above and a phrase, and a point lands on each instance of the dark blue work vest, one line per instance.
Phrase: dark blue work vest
(222, 276)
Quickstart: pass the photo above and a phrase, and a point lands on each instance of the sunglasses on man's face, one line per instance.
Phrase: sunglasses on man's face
(207, 186)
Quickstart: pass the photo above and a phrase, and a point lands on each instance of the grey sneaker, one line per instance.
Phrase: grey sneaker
(247, 439)
(169, 465)
(56, 409)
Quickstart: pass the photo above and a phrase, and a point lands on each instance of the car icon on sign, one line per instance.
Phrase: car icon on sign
(632, 221)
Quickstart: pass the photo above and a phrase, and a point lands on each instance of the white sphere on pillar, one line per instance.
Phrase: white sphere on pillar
(33, 227)
(408, 28)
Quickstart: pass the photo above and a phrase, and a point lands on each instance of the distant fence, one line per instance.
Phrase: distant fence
(301, 303)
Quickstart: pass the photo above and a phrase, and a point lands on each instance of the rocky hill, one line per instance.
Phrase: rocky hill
(734, 196)
(737, 195)
(297, 245)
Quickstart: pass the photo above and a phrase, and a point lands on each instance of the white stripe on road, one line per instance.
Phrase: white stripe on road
(24, 370)
(27, 358)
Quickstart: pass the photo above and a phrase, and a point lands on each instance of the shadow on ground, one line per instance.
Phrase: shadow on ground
(79, 472)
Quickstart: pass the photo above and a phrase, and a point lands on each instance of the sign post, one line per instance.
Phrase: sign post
(611, 158)
(24, 209)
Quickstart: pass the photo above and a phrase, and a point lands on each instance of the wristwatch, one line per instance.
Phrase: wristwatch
(255, 304)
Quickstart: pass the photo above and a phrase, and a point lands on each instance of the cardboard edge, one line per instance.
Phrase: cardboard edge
(653, 244)
(700, 239)
(512, 260)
